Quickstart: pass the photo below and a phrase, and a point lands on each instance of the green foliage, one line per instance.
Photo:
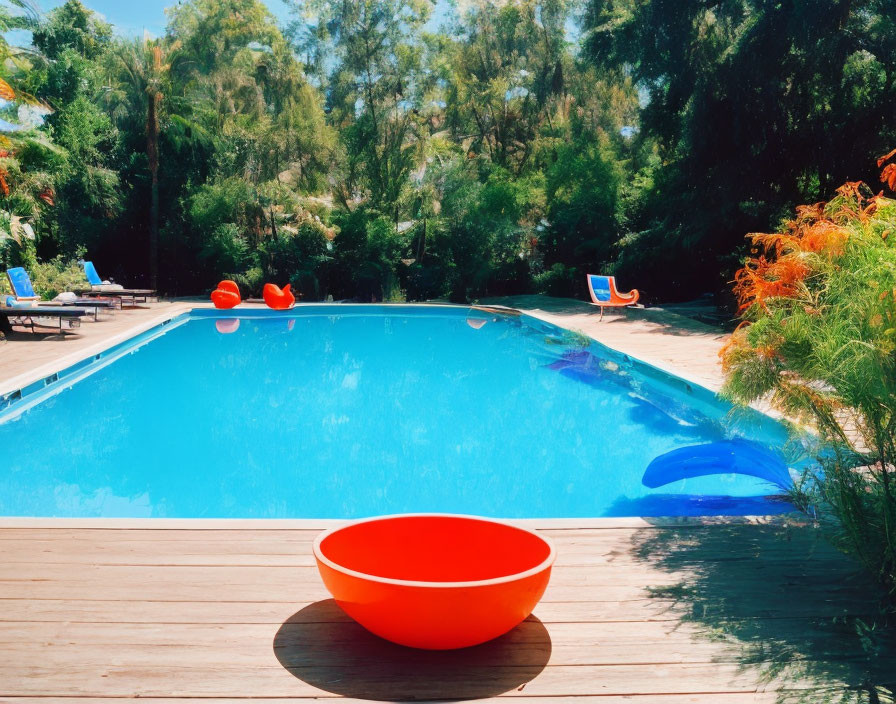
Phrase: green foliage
(55, 276)
(560, 280)
(491, 156)
(366, 252)
(821, 344)
(754, 107)
(72, 27)
(375, 84)
(14, 252)
(299, 255)
(582, 194)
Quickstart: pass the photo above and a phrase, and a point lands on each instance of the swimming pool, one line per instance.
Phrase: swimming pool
(347, 411)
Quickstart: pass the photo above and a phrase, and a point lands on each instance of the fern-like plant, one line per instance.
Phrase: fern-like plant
(818, 339)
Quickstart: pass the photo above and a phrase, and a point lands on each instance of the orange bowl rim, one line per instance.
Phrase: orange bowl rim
(543, 565)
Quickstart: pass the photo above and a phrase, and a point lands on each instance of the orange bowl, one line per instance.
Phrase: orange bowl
(435, 581)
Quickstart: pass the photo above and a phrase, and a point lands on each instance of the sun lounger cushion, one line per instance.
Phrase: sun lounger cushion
(92, 277)
(21, 283)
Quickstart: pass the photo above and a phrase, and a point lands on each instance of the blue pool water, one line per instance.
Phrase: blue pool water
(347, 411)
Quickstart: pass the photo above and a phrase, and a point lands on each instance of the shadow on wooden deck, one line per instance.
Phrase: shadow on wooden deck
(790, 607)
(323, 647)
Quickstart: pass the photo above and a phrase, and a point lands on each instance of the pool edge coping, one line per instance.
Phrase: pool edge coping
(71, 359)
(628, 523)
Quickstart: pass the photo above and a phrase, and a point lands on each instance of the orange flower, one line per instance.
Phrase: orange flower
(761, 279)
(6, 91)
(824, 236)
(888, 175)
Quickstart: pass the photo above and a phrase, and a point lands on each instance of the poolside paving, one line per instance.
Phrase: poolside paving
(726, 614)
(24, 352)
(660, 336)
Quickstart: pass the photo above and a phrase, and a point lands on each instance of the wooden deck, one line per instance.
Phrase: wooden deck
(730, 614)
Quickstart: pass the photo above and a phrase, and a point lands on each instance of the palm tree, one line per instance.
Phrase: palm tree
(138, 74)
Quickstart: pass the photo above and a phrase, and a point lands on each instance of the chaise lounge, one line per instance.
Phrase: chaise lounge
(28, 316)
(23, 292)
(100, 288)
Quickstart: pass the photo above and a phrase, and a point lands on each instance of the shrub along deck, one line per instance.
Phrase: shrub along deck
(722, 614)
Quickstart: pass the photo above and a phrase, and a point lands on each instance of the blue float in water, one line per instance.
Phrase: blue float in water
(723, 457)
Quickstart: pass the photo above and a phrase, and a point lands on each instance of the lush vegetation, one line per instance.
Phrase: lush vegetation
(819, 339)
(753, 107)
(365, 151)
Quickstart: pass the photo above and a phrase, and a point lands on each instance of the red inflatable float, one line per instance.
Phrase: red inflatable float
(435, 581)
(227, 295)
(277, 298)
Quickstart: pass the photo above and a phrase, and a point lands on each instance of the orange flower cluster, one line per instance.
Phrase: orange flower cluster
(6, 91)
(779, 266)
(762, 278)
(888, 175)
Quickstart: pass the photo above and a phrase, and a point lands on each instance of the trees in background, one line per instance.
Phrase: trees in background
(370, 151)
(752, 107)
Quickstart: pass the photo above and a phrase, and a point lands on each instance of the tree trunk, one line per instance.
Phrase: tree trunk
(152, 153)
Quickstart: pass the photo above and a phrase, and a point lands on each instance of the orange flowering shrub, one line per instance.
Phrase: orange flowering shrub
(818, 339)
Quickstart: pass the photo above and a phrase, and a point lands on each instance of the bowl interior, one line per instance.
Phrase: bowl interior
(435, 549)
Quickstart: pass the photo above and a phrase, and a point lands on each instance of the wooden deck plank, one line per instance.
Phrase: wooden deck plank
(87, 610)
(714, 698)
(387, 683)
(672, 615)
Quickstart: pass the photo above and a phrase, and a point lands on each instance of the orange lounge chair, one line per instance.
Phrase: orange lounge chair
(604, 293)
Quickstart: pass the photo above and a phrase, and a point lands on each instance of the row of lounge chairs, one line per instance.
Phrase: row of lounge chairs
(29, 311)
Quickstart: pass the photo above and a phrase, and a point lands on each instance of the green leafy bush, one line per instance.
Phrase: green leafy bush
(56, 276)
(582, 195)
(366, 255)
(819, 340)
(559, 280)
(298, 255)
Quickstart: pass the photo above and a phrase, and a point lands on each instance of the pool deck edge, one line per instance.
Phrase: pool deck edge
(47, 369)
(627, 523)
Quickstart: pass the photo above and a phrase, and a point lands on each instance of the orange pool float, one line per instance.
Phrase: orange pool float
(277, 298)
(227, 295)
(435, 581)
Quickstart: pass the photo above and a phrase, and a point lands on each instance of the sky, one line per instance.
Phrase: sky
(132, 17)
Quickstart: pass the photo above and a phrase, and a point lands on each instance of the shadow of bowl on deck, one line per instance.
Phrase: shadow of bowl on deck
(322, 646)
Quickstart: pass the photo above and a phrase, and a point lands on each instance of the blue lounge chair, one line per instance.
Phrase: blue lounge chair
(604, 293)
(24, 292)
(99, 288)
(28, 316)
